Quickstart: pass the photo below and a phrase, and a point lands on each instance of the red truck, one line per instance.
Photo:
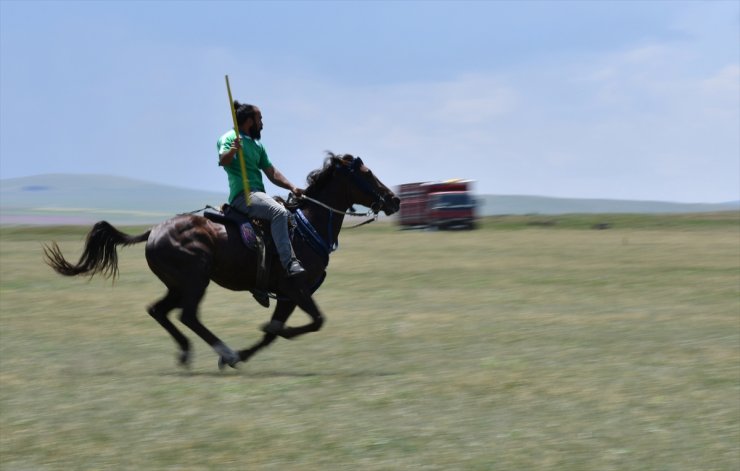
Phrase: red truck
(439, 205)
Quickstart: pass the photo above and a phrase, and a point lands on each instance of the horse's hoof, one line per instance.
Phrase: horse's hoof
(184, 358)
(226, 356)
(222, 362)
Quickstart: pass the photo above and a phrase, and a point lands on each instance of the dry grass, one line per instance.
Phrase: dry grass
(502, 349)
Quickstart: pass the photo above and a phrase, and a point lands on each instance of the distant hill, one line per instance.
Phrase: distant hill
(83, 199)
(511, 204)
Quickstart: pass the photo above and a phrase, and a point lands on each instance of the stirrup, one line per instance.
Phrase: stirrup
(294, 268)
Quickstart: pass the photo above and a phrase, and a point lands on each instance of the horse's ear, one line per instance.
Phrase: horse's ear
(339, 162)
(332, 159)
(343, 161)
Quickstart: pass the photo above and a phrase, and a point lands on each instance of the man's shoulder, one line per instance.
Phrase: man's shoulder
(229, 135)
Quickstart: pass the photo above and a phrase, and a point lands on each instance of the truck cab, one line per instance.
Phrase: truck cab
(445, 204)
(451, 210)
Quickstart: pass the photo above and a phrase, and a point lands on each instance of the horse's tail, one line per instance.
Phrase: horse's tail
(99, 255)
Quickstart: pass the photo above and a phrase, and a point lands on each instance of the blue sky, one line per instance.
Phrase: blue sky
(627, 100)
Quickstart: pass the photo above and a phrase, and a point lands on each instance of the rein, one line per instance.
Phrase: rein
(345, 213)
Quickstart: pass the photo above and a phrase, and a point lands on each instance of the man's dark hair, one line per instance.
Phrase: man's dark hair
(243, 112)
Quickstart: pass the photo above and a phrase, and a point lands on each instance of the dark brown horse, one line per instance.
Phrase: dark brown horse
(188, 251)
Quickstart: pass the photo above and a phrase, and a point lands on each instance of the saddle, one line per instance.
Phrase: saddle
(257, 237)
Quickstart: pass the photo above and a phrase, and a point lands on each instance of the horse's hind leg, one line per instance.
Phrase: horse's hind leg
(159, 311)
(189, 317)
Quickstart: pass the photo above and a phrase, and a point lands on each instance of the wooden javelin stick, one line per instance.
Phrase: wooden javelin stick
(245, 181)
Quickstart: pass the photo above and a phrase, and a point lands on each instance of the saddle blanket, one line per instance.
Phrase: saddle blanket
(249, 235)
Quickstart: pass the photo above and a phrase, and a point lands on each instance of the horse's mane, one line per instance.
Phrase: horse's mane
(317, 179)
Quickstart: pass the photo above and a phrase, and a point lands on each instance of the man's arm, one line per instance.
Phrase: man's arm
(227, 157)
(279, 179)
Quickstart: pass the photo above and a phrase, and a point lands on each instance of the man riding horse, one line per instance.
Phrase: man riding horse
(260, 206)
(188, 252)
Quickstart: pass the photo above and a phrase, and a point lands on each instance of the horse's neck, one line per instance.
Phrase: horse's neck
(326, 222)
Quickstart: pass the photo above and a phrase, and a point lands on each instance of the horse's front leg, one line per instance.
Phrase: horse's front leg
(307, 304)
(283, 310)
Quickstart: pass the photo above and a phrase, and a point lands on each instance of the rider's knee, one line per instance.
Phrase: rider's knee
(279, 214)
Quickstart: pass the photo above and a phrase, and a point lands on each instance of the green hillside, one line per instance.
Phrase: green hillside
(81, 199)
(495, 205)
(84, 198)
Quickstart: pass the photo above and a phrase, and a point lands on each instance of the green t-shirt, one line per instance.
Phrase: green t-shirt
(255, 160)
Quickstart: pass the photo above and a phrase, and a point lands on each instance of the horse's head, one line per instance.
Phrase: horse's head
(363, 187)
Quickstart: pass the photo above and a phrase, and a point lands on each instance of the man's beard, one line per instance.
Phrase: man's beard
(255, 132)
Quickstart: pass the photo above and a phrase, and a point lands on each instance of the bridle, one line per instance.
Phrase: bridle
(311, 235)
(351, 170)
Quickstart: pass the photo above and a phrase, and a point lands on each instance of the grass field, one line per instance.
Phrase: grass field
(529, 344)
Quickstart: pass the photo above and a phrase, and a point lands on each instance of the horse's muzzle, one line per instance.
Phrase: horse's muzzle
(391, 204)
